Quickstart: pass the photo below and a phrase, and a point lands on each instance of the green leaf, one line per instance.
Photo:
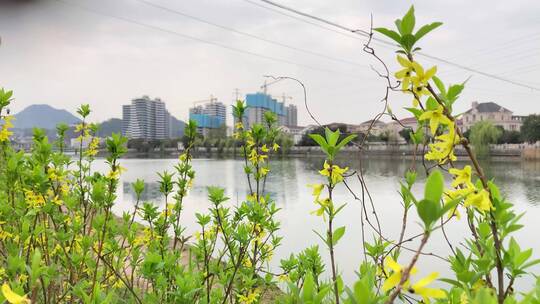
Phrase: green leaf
(484, 230)
(408, 22)
(434, 186)
(454, 91)
(361, 292)
(428, 211)
(432, 104)
(389, 33)
(440, 85)
(450, 205)
(320, 141)
(522, 257)
(331, 137)
(416, 112)
(321, 237)
(398, 25)
(338, 234)
(407, 42)
(426, 29)
(418, 135)
(309, 284)
(345, 141)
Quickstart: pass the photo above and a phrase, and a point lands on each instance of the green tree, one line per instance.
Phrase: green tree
(406, 134)
(484, 133)
(530, 131)
(509, 137)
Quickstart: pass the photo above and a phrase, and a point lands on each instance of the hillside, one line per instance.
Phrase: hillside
(43, 116)
(113, 125)
(177, 127)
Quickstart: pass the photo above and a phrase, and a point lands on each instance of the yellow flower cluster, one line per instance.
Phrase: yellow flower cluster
(322, 203)
(167, 211)
(115, 174)
(419, 288)
(93, 147)
(146, 237)
(208, 234)
(250, 298)
(5, 133)
(333, 172)
(473, 197)
(414, 78)
(256, 158)
(4, 234)
(84, 131)
(33, 199)
(442, 149)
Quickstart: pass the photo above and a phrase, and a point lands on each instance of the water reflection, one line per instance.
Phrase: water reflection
(150, 194)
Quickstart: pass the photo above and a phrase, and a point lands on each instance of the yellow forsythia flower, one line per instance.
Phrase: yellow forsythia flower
(420, 289)
(250, 298)
(436, 117)
(317, 189)
(404, 74)
(12, 297)
(479, 199)
(462, 177)
(334, 172)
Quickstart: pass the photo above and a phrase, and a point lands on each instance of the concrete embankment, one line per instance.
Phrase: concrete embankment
(504, 151)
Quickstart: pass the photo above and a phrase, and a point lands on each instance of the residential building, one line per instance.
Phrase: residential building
(375, 128)
(291, 116)
(211, 115)
(216, 109)
(296, 132)
(260, 103)
(146, 118)
(490, 111)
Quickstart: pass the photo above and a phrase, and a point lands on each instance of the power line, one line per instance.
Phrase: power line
(303, 20)
(509, 44)
(366, 34)
(503, 60)
(173, 11)
(84, 8)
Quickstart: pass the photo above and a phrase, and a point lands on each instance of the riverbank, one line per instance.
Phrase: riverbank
(512, 152)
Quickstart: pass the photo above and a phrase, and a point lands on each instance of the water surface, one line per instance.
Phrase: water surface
(287, 184)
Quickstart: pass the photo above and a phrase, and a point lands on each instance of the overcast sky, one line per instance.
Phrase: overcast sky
(86, 51)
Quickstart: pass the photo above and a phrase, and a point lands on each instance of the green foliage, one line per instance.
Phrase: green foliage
(484, 133)
(530, 130)
(405, 36)
(331, 144)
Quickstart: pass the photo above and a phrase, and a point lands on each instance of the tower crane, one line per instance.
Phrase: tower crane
(266, 84)
(212, 99)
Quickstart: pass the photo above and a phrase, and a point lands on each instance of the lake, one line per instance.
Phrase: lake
(287, 184)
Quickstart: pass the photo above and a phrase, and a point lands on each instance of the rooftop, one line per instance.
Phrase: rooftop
(487, 107)
(376, 123)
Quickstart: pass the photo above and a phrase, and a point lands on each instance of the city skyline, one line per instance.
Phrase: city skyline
(91, 57)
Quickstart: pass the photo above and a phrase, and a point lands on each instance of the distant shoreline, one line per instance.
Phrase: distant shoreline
(396, 152)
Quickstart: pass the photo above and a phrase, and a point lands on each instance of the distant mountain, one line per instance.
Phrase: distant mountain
(113, 125)
(177, 127)
(43, 116)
